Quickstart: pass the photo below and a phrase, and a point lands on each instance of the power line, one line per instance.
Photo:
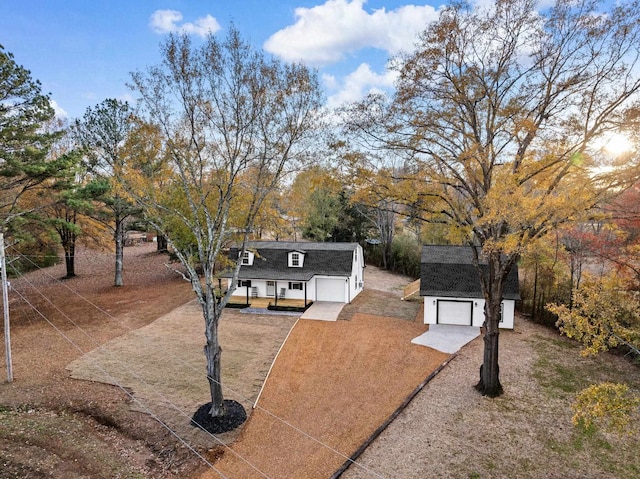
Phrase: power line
(138, 377)
(123, 389)
(236, 393)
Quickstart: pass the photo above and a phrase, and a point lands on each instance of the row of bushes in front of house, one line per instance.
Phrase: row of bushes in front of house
(271, 307)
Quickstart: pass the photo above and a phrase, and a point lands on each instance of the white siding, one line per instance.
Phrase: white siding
(356, 280)
(324, 288)
(508, 308)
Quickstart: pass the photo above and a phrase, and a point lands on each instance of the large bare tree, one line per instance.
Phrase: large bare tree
(233, 121)
(498, 112)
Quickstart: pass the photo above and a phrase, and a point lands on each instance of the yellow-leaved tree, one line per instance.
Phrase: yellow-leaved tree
(497, 114)
(605, 314)
(232, 122)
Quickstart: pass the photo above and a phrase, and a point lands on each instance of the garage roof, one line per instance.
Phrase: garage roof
(448, 271)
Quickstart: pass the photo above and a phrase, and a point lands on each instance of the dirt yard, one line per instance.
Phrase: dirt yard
(54, 426)
(335, 383)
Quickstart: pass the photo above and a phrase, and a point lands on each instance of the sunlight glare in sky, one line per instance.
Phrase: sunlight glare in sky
(618, 143)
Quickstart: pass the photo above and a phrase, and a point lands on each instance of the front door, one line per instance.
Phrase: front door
(271, 288)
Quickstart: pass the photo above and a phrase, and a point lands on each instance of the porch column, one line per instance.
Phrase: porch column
(305, 294)
(276, 292)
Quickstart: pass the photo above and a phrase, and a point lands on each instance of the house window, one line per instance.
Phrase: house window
(297, 286)
(296, 259)
(247, 258)
(244, 283)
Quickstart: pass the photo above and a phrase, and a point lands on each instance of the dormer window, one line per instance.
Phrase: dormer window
(296, 259)
(247, 258)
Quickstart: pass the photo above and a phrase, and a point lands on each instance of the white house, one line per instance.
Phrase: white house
(300, 270)
(451, 289)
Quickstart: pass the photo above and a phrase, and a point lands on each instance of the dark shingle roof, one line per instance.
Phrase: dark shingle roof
(271, 260)
(448, 271)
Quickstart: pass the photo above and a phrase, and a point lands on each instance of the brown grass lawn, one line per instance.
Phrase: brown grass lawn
(334, 382)
(163, 364)
(449, 431)
(332, 386)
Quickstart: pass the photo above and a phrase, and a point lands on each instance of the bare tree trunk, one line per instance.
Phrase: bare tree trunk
(212, 349)
(161, 241)
(534, 303)
(68, 241)
(119, 238)
(489, 384)
(69, 259)
(213, 353)
(386, 255)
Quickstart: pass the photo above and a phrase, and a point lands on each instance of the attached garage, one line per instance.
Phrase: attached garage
(330, 289)
(454, 312)
(298, 272)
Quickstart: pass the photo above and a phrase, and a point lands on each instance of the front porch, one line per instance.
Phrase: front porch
(264, 303)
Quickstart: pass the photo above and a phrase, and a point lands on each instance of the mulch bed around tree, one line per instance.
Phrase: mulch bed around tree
(234, 416)
(332, 385)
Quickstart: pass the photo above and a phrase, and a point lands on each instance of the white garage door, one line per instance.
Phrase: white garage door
(455, 312)
(330, 289)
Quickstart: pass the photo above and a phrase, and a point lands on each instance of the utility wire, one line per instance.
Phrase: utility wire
(138, 377)
(122, 388)
(237, 394)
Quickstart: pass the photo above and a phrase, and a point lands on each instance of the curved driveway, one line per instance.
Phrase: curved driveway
(332, 385)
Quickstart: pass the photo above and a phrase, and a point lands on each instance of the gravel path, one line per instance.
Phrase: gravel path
(450, 431)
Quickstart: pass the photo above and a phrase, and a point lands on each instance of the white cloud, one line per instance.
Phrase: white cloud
(357, 85)
(60, 112)
(128, 97)
(166, 21)
(326, 33)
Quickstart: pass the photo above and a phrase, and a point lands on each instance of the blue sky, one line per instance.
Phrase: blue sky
(83, 51)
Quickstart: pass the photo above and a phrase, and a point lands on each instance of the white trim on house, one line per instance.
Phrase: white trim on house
(464, 311)
(344, 279)
(247, 258)
(295, 259)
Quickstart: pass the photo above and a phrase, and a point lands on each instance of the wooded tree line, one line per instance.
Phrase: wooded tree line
(494, 137)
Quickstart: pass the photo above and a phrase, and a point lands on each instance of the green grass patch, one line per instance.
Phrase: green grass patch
(561, 373)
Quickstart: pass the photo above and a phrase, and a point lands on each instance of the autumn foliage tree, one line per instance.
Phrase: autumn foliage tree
(27, 132)
(233, 122)
(497, 111)
(604, 314)
(143, 152)
(64, 204)
(102, 133)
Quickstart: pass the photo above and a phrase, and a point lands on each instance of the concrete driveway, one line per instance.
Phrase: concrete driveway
(323, 311)
(448, 338)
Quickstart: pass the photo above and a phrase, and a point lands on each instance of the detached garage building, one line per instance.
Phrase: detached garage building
(451, 288)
